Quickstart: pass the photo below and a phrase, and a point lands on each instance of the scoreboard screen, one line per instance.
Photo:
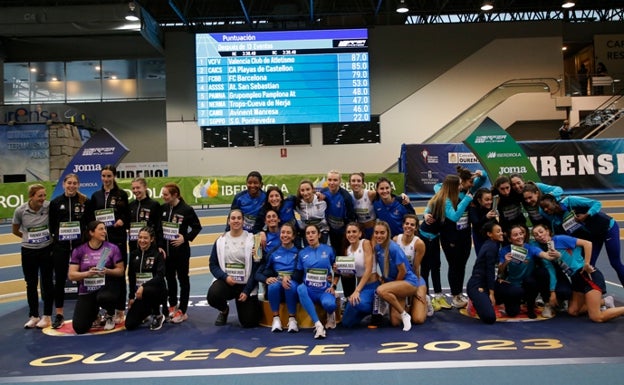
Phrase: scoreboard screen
(282, 77)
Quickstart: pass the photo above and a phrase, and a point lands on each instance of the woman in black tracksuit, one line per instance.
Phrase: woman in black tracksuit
(146, 277)
(180, 225)
(109, 205)
(67, 224)
(144, 211)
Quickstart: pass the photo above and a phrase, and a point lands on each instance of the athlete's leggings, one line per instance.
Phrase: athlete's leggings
(277, 294)
(220, 293)
(480, 298)
(353, 315)
(60, 255)
(612, 244)
(36, 263)
(88, 305)
(431, 263)
(457, 254)
(149, 304)
(308, 297)
(178, 266)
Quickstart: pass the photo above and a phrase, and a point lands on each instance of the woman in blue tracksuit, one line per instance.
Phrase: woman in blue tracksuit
(480, 286)
(522, 276)
(360, 302)
(389, 207)
(588, 284)
(276, 272)
(250, 202)
(582, 217)
(398, 280)
(317, 283)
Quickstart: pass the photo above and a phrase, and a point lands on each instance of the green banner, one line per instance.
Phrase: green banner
(499, 153)
(197, 191)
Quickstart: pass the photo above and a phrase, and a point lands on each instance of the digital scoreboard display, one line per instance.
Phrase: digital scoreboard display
(291, 77)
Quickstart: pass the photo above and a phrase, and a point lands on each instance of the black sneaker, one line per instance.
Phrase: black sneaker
(222, 317)
(157, 322)
(58, 322)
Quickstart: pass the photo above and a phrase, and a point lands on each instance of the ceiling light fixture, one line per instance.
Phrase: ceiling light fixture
(402, 8)
(132, 14)
(567, 4)
(487, 6)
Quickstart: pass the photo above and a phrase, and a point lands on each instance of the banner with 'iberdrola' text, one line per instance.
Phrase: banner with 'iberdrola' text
(203, 191)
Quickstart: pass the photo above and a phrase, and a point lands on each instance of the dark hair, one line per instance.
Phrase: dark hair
(149, 230)
(91, 226)
(463, 173)
(267, 206)
(523, 227)
(501, 180)
(479, 194)
(488, 227)
(532, 188)
(549, 198)
(113, 169)
(255, 174)
(412, 216)
(292, 227)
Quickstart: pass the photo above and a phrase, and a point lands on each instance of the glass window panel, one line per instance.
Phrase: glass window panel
(16, 83)
(271, 135)
(84, 80)
(242, 136)
(351, 133)
(151, 78)
(47, 81)
(119, 79)
(215, 137)
(297, 133)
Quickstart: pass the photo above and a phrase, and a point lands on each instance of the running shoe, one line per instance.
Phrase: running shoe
(407, 321)
(58, 322)
(293, 327)
(110, 323)
(179, 317)
(547, 311)
(222, 317)
(44, 322)
(609, 302)
(277, 324)
(157, 322)
(32, 323)
(119, 317)
(471, 309)
(429, 307)
(331, 321)
(172, 310)
(319, 332)
(441, 299)
(459, 301)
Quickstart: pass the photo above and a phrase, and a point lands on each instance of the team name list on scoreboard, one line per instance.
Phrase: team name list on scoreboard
(282, 78)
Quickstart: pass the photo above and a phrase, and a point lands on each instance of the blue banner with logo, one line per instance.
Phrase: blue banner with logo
(578, 166)
(100, 150)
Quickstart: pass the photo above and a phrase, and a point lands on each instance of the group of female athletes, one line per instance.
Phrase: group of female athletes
(299, 248)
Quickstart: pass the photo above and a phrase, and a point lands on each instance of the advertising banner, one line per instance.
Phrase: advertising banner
(24, 152)
(498, 152)
(204, 191)
(578, 166)
(101, 149)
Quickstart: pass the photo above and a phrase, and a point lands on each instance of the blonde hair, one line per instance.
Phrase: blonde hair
(33, 188)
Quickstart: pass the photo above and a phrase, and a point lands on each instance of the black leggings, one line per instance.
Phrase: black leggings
(149, 304)
(60, 255)
(178, 266)
(36, 263)
(248, 312)
(88, 305)
(457, 254)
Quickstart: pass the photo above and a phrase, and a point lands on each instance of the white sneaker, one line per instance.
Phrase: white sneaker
(459, 301)
(429, 307)
(32, 323)
(407, 321)
(44, 322)
(548, 312)
(609, 302)
(110, 323)
(319, 332)
(293, 327)
(331, 321)
(119, 317)
(277, 324)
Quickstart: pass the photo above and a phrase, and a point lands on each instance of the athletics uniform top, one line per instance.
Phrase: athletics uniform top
(250, 207)
(409, 250)
(364, 209)
(282, 261)
(393, 213)
(315, 266)
(233, 257)
(86, 258)
(518, 270)
(339, 211)
(34, 225)
(312, 214)
(358, 255)
(397, 257)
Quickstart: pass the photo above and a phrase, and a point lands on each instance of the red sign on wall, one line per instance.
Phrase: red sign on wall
(283, 152)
